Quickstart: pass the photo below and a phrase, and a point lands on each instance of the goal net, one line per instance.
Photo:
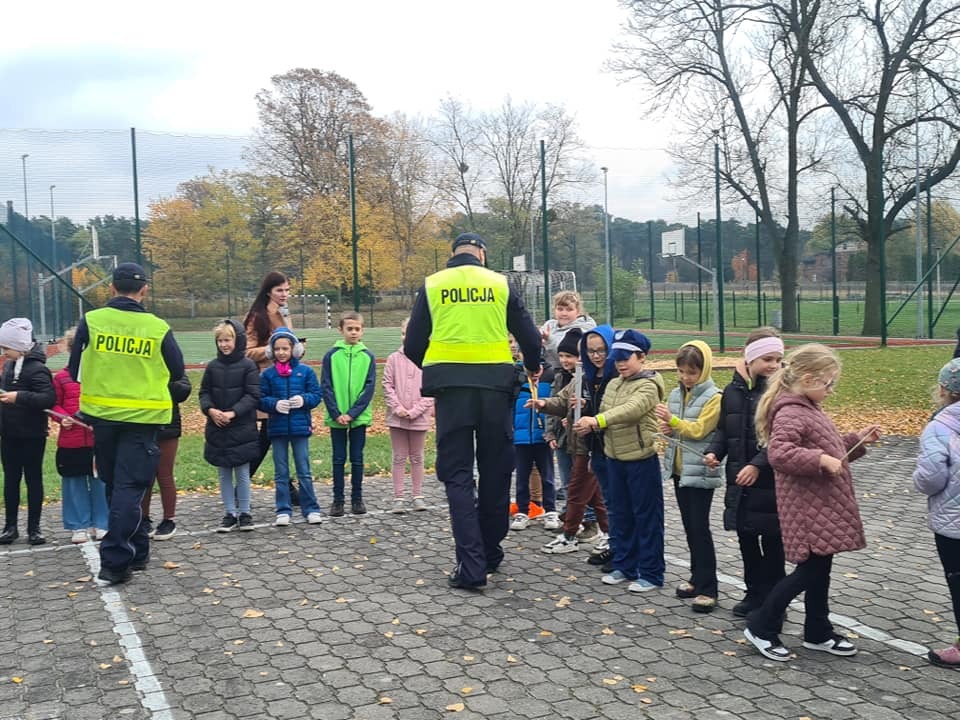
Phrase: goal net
(531, 287)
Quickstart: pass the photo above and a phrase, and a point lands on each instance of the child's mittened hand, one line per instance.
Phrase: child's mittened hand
(663, 412)
(296, 401)
(283, 407)
(830, 464)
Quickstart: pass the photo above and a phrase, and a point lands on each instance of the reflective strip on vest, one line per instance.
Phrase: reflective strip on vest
(468, 309)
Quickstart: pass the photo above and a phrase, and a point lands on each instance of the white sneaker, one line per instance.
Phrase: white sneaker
(602, 544)
(560, 545)
(419, 504)
(98, 534)
(551, 521)
(313, 518)
(519, 522)
(589, 534)
(79, 537)
(282, 520)
(398, 507)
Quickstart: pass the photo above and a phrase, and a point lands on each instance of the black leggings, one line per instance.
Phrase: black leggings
(23, 457)
(949, 551)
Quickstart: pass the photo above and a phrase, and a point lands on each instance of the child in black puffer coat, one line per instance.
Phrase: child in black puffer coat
(229, 395)
(27, 391)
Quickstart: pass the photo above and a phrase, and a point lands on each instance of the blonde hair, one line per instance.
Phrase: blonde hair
(567, 297)
(943, 397)
(810, 359)
(68, 337)
(224, 329)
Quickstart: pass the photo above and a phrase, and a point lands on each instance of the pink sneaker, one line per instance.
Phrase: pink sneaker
(949, 657)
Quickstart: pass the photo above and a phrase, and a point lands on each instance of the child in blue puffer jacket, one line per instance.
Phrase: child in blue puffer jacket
(531, 448)
(938, 477)
(289, 390)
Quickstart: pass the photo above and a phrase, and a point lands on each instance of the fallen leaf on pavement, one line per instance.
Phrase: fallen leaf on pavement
(251, 613)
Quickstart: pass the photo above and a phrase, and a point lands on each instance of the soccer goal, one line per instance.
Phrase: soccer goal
(532, 286)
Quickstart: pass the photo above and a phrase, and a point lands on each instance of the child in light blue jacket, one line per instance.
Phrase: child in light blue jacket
(938, 477)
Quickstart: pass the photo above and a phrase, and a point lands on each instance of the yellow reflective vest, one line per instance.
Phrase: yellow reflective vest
(123, 376)
(468, 311)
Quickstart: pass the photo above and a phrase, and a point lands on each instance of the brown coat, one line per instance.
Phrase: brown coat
(818, 512)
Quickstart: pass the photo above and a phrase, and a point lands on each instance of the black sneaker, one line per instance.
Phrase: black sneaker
(165, 530)
(358, 508)
(9, 534)
(114, 577)
(228, 523)
(607, 567)
(336, 508)
(600, 558)
(245, 522)
(35, 537)
(148, 524)
(140, 565)
(744, 607)
(294, 495)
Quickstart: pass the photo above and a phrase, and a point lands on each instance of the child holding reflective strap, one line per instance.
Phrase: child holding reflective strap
(750, 501)
(938, 477)
(815, 498)
(688, 419)
(635, 498)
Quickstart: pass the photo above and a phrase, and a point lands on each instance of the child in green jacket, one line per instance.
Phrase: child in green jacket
(347, 381)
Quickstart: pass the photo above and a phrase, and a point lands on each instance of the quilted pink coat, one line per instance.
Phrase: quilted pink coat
(401, 387)
(818, 512)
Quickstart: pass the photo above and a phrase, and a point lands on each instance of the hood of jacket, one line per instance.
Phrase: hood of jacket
(240, 344)
(589, 369)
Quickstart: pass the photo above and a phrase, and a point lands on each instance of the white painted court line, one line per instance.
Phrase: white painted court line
(849, 623)
(145, 680)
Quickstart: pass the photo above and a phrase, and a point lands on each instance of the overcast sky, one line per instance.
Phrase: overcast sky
(194, 68)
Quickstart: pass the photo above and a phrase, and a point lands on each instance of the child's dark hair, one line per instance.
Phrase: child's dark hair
(690, 356)
(350, 315)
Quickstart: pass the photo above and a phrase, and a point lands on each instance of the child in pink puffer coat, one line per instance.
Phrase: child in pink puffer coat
(408, 417)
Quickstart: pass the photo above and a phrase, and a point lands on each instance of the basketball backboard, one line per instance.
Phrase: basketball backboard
(673, 242)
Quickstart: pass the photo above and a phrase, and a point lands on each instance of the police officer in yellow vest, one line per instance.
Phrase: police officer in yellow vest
(124, 357)
(458, 334)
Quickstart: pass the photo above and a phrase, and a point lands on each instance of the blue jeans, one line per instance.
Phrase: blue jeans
(236, 499)
(281, 446)
(357, 437)
(527, 456)
(564, 466)
(84, 503)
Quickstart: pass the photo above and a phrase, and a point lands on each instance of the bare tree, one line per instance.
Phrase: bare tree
(731, 73)
(887, 67)
(305, 120)
(454, 137)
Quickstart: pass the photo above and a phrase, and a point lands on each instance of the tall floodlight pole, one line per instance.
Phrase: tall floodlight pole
(26, 210)
(719, 266)
(53, 262)
(606, 251)
(915, 69)
(353, 226)
(26, 233)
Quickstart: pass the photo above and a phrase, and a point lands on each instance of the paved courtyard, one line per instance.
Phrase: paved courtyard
(353, 619)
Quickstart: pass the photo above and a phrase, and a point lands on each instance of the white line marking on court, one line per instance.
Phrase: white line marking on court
(842, 620)
(145, 680)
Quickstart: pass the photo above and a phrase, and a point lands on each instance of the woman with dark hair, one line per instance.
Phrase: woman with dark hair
(267, 312)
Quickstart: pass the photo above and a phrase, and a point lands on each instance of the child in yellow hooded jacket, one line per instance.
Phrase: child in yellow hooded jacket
(689, 419)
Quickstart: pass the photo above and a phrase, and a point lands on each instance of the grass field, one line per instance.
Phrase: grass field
(891, 387)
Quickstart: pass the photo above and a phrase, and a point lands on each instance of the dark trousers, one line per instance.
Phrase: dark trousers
(635, 503)
(479, 510)
(949, 551)
(762, 563)
(23, 457)
(583, 490)
(527, 456)
(811, 577)
(356, 437)
(694, 504)
(127, 459)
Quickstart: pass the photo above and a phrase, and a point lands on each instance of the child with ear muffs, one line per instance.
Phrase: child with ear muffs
(289, 390)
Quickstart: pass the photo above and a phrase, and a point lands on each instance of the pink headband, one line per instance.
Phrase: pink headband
(761, 347)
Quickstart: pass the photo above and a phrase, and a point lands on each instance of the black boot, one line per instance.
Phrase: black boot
(9, 534)
(35, 537)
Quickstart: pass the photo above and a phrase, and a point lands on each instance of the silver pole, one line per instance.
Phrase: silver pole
(43, 314)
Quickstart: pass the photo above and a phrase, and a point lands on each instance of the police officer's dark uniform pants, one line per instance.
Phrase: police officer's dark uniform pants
(479, 511)
(127, 458)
